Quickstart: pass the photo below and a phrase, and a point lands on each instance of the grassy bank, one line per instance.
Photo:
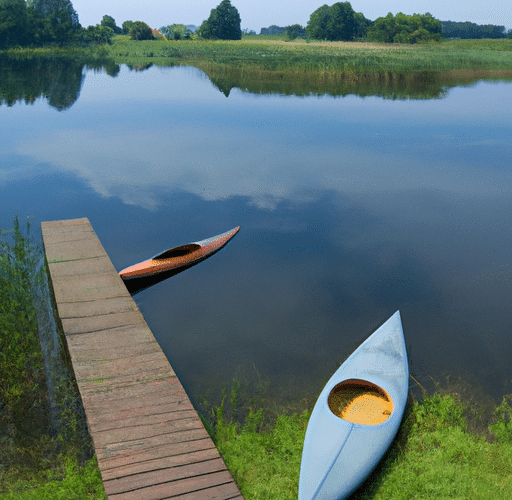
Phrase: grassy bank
(444, 450)
(264, 66)
(352, 57)
(45, 449)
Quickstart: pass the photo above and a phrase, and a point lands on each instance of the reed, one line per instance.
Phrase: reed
(45, 449)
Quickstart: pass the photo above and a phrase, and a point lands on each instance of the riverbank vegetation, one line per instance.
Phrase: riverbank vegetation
(398, 71)
(301, 56)
(45, 449)
(445, 448)
(265, 65)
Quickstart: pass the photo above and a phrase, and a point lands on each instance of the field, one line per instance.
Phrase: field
(302, 56)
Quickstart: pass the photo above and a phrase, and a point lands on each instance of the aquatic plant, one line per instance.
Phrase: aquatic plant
(43, 432)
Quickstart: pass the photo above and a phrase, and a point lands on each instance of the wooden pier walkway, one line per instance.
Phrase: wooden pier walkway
(149, 440)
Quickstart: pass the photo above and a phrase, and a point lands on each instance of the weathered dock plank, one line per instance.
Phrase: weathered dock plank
(149, 440)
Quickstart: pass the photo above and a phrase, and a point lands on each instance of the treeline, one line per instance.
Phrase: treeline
(340, 22)
(37, 22)
(475, 31)
(55, 22)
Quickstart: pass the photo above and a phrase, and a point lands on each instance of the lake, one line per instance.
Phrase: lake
(350, 208)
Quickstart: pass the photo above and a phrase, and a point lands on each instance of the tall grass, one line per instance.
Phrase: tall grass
(40, 456)
(328, 56)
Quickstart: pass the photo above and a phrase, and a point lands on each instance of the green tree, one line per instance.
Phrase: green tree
(223, 24)
(405, 29)
(362, 25)
(140, 31)
(176, 32)
(53, 21)
(317, 24)
(295, 31)
(110, 22)
(126, 26)
(337, 22)
(273, 30)
(13, 23)
(342, 23)
(99, 34)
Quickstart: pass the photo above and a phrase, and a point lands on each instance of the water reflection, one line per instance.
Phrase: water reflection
(351, 209)
(59, 80)
(24, 79)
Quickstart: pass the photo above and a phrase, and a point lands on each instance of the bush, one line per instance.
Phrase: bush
(141, 31)
(405, 29)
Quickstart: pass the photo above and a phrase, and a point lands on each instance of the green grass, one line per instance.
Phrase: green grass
(70, 481)
(355, 57)
(435, 455)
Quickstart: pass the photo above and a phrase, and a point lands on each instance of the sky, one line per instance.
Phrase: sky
(264, 13)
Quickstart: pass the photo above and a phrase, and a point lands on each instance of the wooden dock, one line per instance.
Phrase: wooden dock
(149, 440)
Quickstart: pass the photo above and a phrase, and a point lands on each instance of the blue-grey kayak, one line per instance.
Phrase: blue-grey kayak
(356, 416)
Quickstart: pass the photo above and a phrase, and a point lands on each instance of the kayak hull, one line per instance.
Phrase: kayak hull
(178, 257)
(342, 447)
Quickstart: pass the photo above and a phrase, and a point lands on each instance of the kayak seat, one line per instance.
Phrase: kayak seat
(177, 251)
(360, 402)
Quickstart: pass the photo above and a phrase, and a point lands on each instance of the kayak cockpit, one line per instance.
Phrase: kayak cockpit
(360, 402)
(177, 251)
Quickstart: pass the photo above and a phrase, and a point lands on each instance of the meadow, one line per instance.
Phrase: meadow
(303, 56)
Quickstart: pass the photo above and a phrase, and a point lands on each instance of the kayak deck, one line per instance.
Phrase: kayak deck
(360, 402)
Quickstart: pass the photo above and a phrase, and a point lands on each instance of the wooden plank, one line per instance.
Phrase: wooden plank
(88, 288)
(82, 267)
(194, 484)
(97, 307)
(159, 476)
(149, 440)
(191, 456)
(88, 324)
(146, 446)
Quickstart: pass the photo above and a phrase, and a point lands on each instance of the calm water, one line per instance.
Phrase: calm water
(350, 209)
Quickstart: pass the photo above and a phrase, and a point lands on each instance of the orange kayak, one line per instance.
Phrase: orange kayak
(178, 257)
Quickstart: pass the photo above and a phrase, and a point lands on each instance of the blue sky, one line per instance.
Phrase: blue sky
(264, 13)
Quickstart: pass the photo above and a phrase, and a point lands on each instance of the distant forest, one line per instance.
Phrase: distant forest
(450, 29)
(55, 22)
(471, 30)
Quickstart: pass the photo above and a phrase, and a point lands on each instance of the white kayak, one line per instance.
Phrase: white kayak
(356, 416)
